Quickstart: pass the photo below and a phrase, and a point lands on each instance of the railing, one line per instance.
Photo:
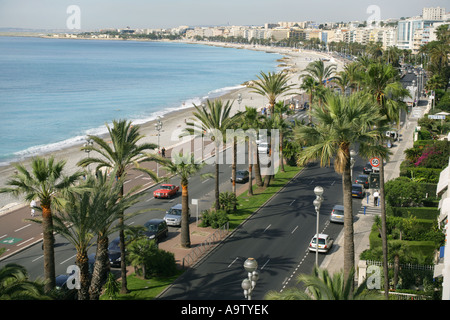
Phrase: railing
(206, 245)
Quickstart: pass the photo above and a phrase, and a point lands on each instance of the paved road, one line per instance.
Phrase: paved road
(277, 236)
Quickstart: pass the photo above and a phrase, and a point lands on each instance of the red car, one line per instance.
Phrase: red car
(166, 191)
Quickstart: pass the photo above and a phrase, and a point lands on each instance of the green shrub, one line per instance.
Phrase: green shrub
(214, 219)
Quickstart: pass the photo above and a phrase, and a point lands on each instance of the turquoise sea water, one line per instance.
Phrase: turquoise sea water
(55, 91)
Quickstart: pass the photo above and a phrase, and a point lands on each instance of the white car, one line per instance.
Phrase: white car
(325, 243)
(263, 147)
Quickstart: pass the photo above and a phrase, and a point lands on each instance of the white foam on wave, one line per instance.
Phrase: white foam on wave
(102, 130)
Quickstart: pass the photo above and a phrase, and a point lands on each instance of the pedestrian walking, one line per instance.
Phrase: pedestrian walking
(163, 152)
(375, 198)
(32, 206)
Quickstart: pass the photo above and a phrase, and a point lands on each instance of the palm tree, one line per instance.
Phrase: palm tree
(249, 123)
(214, 119)
(15, 285)
(44, 182)
(342, 122)
(272, 85)
(382, 83)
(185, 166)
(319, 72)
(321, 286)
(309, 85)
(86, 211)
(119, 157)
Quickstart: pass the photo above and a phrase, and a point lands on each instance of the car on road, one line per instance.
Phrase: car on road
(114, 253)
(156, 229)
(367, 168)
(173, 216)
(62, 290)
(242, 176)
(337, 214)
(325, 243)
(358, 191)
(364, 180)
(166, 191)
(263, 147)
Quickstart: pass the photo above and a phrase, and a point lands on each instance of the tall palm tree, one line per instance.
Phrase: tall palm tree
(309, 84)
(319, 72)
(214, 120)
(124, 152)
(86, 211)
(43, 182)
(341, 122)
(185, 166)
(272, 85)
(321, 286)
(381, 81)
(249, 123)
(15, 285)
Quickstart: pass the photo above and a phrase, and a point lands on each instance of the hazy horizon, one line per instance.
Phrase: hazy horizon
(102, 14)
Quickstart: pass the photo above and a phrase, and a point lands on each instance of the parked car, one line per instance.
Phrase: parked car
(166, 191)
(364, 180)
(325, 243)
(367, 168)
(263, 147)
(63, 291)
(114, 253)
(156, 229)
(337, 214)
(242, 176)
(173, 216)
(358, 191)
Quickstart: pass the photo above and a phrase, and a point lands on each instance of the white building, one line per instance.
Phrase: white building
(442, 268)
(434, 14)
(406, 30)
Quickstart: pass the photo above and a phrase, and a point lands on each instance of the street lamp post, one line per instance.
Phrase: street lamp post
(352, 163)
(239, 100)
(317, 203)
(88, 143)
(248, 284)
(158, 127)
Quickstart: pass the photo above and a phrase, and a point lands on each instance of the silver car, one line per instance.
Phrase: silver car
(173, 216)
(337, 214)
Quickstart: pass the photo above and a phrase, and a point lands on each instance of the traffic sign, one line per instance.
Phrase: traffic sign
(375, 162)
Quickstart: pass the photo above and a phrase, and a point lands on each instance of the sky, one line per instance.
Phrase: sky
(100, 14)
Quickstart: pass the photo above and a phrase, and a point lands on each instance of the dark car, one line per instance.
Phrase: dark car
(62, 290)
(367, 168)
(364, 180)
(242, 176)
(358, 191)
(156, 229)
(114, 252)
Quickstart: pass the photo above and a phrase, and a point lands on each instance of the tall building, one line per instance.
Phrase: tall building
(406, 30)
(434, 14)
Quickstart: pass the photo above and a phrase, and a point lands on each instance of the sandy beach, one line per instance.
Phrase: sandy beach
(294, 60)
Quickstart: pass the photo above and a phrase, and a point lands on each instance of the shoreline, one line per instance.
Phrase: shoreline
(294, 61)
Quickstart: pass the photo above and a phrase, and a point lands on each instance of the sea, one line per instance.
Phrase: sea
(54, 92)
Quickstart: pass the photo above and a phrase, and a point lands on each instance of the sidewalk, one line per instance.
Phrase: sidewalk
(334, 261)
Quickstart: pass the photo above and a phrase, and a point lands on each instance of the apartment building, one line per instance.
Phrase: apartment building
(434, 14)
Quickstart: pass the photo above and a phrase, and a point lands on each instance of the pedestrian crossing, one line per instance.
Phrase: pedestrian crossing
(369, 210)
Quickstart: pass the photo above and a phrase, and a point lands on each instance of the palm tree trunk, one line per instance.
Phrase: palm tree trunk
(123, 262)
(101, 267)
(281, 152)
(384, 231)
(185, 239)
(233, 169)
(49, 250)
(250, 168)
(256, 166)
(83, 264)
(349, 245)
(216, 191)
